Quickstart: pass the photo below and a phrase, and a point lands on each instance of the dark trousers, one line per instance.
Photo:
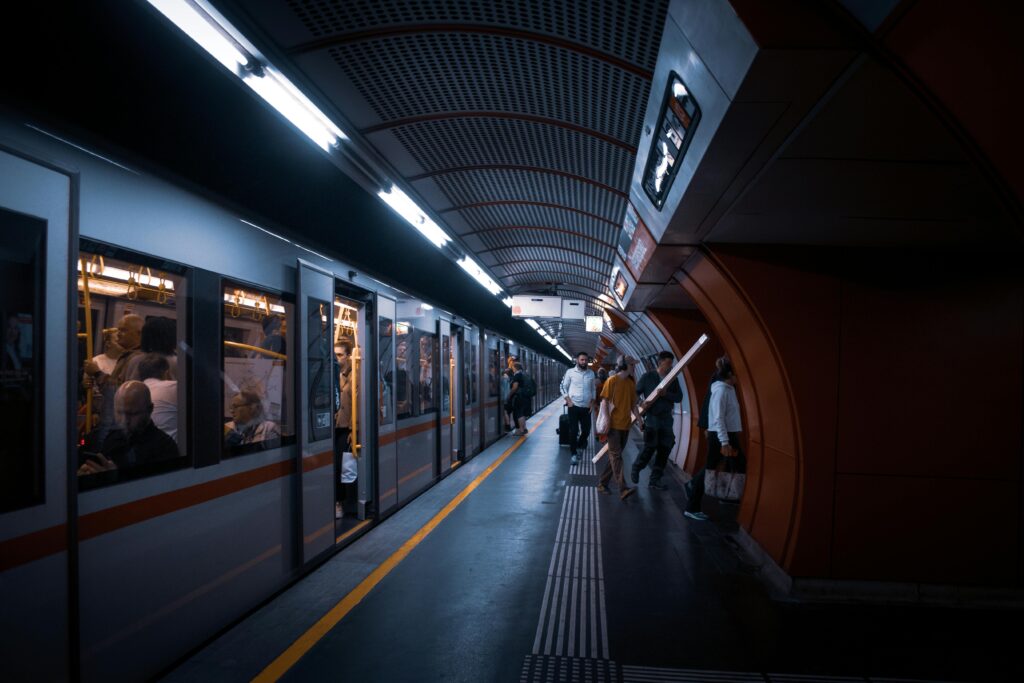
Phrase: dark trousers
(579, 423)
(659, 438)
(714, 459)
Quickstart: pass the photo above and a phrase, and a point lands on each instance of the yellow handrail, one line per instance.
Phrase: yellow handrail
(357, 356)
(249, 347)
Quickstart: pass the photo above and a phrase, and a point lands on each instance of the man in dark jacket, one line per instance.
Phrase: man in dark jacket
(659, 435)
(138, 445)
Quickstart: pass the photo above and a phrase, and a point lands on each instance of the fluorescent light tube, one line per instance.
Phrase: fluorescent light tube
(271, 88)
(214, 35)
(405, 207)
(471, 267)
(532, 323)
(199, 26)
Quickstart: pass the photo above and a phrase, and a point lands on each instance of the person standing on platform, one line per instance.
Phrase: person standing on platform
(578, 389)
(724, 427)
(343, 424)
(659, 436)
(620, 389)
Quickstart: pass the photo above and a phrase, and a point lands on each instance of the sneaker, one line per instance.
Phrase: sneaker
(601, 488)
(575, 459)
(699, 516)
(656, 485)
(337, 510)
(626, 493)
(634, 474)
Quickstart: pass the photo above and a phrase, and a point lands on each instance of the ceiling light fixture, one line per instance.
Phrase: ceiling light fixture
(223, 42)
(405, 207)
(474, 269)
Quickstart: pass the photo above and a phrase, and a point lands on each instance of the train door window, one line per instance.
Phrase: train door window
(494, 367)
(22, 268)
(257, 398)
(427, 394)
(385, 348)
(321, 401)
(446, 357)
(405, 362)
(133, 395)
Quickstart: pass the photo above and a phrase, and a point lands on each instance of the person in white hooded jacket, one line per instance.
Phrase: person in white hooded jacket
(724, 427)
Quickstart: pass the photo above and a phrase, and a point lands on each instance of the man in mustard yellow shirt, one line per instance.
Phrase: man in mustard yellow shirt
(620, 389)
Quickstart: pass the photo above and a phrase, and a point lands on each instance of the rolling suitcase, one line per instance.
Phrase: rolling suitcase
(564, 437)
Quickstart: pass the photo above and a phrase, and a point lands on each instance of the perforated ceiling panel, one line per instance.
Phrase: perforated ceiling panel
(525, 115)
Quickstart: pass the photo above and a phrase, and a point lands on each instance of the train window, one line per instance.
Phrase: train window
(427, 393)
(320, 369)
(494, 368)
(405, 359)
(414, 371)
(132, 400)
(385, 347)
(257, 401)
(22, 268)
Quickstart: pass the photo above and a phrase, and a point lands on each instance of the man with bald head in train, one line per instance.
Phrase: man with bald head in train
(137, 441)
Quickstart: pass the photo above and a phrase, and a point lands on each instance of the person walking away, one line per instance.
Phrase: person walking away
(578, 388)
(620, 389)
(724, 427)
(659, 436)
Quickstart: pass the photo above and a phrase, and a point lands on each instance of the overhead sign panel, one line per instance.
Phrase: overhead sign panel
(532, 306)
(573, 309)
(595, 323)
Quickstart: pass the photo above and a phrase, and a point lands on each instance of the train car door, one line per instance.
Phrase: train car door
(354, 489)
(471, 392)
(492, 384)
(36, 234)
(387, 443)
(446, 417)
(316, 422)
(457, 383)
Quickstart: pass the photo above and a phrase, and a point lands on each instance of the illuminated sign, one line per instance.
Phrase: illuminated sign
(676, 125)
(594, 323)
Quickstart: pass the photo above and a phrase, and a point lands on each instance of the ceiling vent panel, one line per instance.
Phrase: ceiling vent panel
(629, 31)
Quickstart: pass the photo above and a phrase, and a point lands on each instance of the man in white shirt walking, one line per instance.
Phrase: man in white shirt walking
(578, 389)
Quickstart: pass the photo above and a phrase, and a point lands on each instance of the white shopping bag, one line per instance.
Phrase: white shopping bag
(349, 468)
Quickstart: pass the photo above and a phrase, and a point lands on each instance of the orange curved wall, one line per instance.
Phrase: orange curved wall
(879, 447)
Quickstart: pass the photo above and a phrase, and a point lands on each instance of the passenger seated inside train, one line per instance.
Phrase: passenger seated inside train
(154, 371)
(247, 425)
(136, 445)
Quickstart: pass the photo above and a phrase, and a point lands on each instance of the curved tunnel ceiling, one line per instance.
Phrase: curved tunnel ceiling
(516, 123)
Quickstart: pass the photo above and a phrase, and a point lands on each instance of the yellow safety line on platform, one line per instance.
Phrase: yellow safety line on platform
(287, 659)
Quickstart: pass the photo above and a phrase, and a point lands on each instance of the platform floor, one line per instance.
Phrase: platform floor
(534, 576)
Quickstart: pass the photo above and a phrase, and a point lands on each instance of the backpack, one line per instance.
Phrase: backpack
(529, 389)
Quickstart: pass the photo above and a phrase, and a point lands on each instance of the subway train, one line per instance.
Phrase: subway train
(116, 570)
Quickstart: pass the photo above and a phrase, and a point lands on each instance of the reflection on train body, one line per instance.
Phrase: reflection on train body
(230, 420)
